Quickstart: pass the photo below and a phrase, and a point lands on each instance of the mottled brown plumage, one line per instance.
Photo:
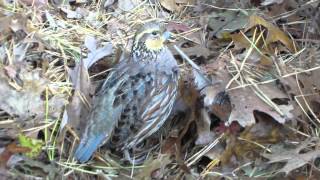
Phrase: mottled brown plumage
(136, 98)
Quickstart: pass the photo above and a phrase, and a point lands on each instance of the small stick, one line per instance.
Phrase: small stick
(194, 65)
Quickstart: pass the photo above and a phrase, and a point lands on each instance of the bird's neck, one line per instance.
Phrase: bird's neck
(141, 53)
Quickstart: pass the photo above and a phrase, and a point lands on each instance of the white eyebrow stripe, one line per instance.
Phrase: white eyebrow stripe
(145, 32)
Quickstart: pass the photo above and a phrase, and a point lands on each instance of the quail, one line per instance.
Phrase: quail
(137, 96)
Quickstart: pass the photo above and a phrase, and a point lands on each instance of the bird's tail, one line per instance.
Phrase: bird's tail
(87, 147)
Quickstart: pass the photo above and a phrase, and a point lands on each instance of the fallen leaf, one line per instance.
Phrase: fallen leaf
(39, 169)
(51, 20)
(239, 104)
(93, 18)
(175, 5)
(246, 144)
(205, 135)
(170, 5)
(218, 72)
(215, 98)
(265, 131)
(127, 5)
(95, 54)
(19, 51)
(226, 22)
(10, 150)
(72, 14)
(274, 33)
(36, 3)
(78, 107)
(244, 102)
(178, 27)
(25, 101)
(258, 58)
(293, 158)
(13, 23)
(304, 90)
(169, 145)
(276, 9)
(153, 168)
(91, 43)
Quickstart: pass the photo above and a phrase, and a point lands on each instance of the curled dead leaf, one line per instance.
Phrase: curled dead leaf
(274, 33)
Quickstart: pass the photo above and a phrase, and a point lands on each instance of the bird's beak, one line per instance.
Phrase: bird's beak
(166, 35)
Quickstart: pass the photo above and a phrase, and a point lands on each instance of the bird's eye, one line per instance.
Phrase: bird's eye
(154, 33)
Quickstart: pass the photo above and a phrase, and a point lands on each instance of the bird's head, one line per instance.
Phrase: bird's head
(150, 38)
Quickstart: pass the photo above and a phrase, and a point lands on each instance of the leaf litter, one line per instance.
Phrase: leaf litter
(248, 87)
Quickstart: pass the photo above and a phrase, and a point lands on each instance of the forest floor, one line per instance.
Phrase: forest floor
(249, 91)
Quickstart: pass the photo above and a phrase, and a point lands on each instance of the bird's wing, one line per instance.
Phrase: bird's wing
(156, 106)
(104, 114)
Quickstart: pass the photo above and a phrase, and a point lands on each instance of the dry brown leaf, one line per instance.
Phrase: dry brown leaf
(12, 23)
(245, 145)
(178, 27)
(78, 109)
(214, 96)
(226, 22)
(25, 100)
(10, 150)
(265, 131)
(258, 58)
(274, 33)
(170, 5)
(95, 53)
(220, 77)
(79, 105)
(305, 90)
(175, 5)
(244, 102)
(294, 158)
(169, 145)
(284, 7)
